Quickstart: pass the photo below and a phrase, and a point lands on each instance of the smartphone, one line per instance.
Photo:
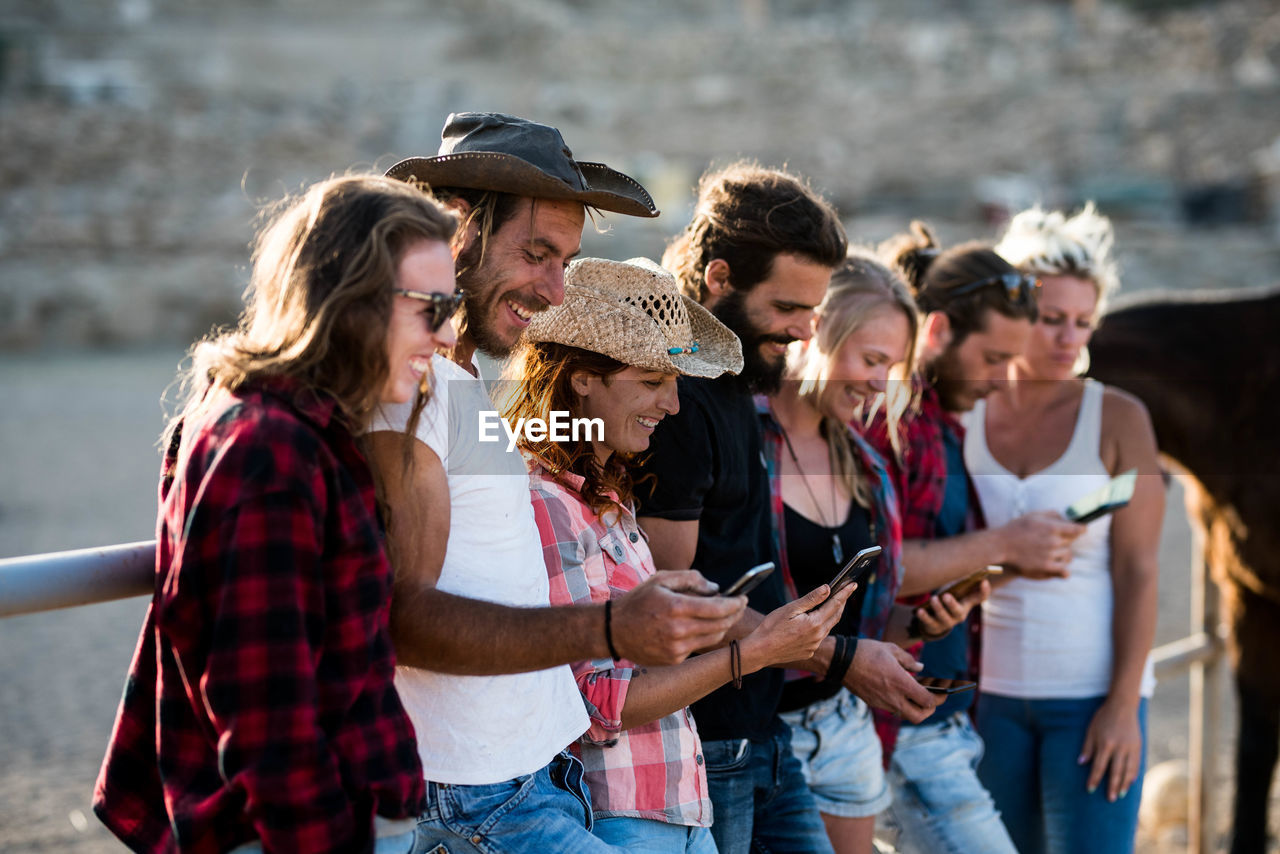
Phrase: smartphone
(855, 568)
(851, 572)
(749, 580)
(1110, 498)
(962, 587)
(938, 685)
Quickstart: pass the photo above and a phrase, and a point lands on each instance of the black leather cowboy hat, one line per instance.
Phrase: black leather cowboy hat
(493, 151)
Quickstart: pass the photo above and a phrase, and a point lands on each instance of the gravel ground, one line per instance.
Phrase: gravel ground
(78, 461)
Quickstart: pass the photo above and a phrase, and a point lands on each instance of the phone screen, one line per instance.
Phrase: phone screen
(1116, 494)
(938, 685)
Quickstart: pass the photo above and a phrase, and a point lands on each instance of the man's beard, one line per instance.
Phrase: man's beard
(759, 373)
(478, 283)
(948, 382)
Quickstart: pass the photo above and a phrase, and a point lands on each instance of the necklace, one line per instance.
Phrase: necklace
(837, 550)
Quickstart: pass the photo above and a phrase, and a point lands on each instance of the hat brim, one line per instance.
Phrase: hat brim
(608, 189)
(593, 322)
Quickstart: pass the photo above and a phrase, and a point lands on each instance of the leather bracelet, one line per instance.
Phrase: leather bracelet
(608, 629)
(735, 663)
(840, 659)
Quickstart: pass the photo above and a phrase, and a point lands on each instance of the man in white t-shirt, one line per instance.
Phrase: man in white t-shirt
(483, 659)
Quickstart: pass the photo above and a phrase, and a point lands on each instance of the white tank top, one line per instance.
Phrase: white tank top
(1049, 638)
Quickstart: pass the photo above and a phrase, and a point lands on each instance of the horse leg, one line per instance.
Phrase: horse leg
(1256, 751)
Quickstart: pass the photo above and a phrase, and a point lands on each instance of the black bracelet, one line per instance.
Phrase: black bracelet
(840, 659)
(735, 663)
(608, 629)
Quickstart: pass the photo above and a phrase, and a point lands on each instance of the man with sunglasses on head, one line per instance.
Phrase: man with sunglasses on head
(978, 313)
(483, 658)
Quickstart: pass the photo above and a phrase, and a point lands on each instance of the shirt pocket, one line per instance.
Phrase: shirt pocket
(613, 547)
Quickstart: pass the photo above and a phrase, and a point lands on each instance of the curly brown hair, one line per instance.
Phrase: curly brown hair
(747, 215)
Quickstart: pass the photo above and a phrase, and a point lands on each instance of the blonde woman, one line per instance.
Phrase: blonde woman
(832, 495)
(1066, 672)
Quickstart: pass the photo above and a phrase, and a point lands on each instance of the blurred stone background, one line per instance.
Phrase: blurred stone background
(139, 137)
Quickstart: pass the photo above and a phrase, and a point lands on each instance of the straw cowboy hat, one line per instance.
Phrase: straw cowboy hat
(633, 311)
(493, 151)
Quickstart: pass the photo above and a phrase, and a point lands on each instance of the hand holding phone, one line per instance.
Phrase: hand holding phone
(749, 580)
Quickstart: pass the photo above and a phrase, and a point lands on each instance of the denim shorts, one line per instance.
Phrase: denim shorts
(839, 752)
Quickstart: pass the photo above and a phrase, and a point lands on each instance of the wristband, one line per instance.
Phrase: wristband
(735, 663)
(840, 659)
(608, 629)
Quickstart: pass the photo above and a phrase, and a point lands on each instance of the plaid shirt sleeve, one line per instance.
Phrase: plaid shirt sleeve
(578, 575)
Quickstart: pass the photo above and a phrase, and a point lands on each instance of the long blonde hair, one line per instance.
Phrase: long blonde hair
(860, 287)
(320, 295)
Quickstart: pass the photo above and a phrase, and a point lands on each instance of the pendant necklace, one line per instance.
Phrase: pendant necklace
(837, 551)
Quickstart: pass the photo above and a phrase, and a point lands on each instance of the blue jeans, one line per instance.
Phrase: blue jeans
(650, 836)
(759, 797)
(1031, 770)
(938, 803)
(840, 756)
(548, 810)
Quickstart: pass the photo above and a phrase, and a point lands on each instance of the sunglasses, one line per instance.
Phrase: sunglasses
(440, 307)
(1020, 289)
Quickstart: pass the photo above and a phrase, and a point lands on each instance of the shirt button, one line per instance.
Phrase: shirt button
(634, 536)
(475, 840)
(698, 759)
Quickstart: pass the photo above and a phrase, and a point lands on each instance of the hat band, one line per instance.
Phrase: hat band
(677, 351)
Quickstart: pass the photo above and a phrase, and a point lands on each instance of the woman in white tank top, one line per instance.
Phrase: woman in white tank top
(1066, 669)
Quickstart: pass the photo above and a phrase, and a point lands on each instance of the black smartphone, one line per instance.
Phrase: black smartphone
(938, 685)
(1110, 498)
(749, 580)
(852, 571)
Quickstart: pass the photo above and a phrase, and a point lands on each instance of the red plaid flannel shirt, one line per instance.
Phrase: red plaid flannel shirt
(260, 703)
(920, 478)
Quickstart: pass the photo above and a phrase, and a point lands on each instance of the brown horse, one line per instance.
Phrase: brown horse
(1208, 368)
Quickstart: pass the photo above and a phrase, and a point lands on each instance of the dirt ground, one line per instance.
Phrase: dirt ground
(78, 461)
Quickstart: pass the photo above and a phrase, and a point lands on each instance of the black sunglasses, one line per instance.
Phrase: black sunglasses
(1019, 288)
(440, 307)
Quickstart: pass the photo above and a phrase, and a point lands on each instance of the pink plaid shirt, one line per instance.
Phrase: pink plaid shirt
(654, 771)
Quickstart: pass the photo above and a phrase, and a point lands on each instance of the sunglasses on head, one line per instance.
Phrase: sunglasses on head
(1019, 288)
(440, 307)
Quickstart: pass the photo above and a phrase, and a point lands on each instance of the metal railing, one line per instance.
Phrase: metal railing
(66, 579)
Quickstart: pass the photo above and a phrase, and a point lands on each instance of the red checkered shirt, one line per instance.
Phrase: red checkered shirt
(921, 481)
(653, 771)
(260, 703)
